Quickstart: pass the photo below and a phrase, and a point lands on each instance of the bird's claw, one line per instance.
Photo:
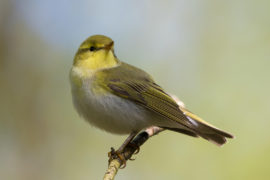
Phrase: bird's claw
(117, 155)
(135, 146)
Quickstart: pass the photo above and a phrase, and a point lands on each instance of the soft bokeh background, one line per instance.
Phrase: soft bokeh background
(214, 55)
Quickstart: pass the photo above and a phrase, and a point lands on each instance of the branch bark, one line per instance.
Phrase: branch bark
(129, 150)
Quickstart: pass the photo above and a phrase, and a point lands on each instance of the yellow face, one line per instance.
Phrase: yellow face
(95, 53)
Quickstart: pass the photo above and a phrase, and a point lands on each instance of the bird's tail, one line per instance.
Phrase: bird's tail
(206, 130)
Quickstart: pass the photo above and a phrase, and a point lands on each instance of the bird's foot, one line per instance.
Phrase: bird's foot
(117, 155)
(135, 146)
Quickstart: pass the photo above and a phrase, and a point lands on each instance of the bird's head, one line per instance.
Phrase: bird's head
(96, 52)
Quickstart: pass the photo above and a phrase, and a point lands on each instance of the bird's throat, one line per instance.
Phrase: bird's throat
(98, 61)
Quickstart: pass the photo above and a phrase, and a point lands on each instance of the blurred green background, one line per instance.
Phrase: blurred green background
(214, 55)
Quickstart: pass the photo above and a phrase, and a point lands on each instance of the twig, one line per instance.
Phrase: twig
(129, 150)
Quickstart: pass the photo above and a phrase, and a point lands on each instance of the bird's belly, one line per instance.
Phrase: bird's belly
(111, 113)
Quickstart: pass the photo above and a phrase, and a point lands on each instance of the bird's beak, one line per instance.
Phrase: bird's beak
(108, 46)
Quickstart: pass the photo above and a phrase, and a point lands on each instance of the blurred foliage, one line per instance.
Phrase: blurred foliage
(214, 55)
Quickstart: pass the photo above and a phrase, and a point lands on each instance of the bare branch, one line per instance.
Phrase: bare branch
(129, 150)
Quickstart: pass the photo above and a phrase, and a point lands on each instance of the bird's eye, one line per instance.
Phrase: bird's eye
(92, 48)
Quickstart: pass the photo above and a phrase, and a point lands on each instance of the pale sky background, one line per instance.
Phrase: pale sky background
(214, 55)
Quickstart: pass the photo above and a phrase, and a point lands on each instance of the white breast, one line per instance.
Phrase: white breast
(108, 112)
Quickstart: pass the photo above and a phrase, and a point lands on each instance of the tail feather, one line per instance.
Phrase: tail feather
(212, 134)
(214, 138)
(183, 131)
(206, 130)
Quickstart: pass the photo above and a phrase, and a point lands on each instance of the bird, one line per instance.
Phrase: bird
(122, 99)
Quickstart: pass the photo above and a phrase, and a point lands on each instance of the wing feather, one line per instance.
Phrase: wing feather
(140, 88)
(144, 91)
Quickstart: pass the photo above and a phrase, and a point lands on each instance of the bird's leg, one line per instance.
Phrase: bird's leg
(135, 146)
(119, 151)
(129, 138)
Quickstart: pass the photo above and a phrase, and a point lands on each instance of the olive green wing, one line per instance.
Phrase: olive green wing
(140, 88)
(137, 86)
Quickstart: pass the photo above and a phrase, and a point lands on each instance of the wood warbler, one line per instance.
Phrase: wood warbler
(122, 99)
